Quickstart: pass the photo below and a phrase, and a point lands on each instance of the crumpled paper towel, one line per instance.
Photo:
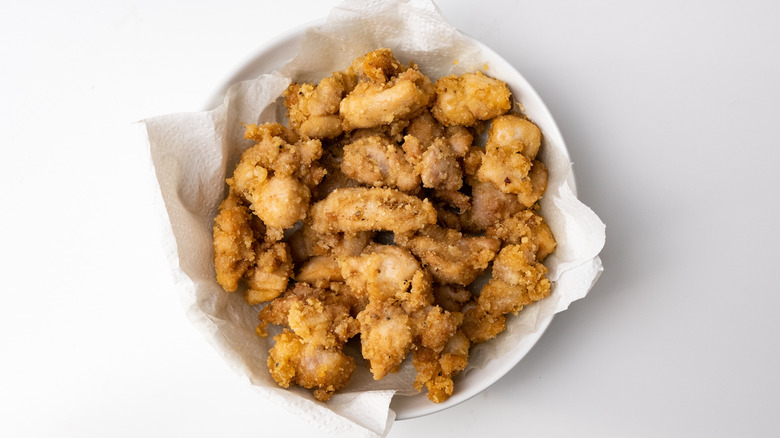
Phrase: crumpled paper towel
(192, 154)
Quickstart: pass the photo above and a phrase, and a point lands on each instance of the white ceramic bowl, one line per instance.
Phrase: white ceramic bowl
(274, 54)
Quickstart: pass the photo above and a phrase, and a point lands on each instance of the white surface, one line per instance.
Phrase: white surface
(669, 111)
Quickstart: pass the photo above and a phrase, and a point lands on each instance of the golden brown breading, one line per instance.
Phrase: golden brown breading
(233, 240)
(318, 316)
(488, 206)
(268, 277)
(432, 326)
(385, 336)
(450, 256)
(298, 203)
(515, 133)
(436, 370)
(451, 297)
(320, 271)
(372, 104)
(464, 99)
(525, 224)
(362, 209)
(509, 163)
(377, 161)
(479, 325)
(439, 167)
(291, 360)
(377, 66)
(518, 280)
(313, 110)
(279, 150)
(381, 272)
(533, 192)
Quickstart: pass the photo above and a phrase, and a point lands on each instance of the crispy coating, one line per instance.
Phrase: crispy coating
(280, 203)
(439, 168)
(372, 104)
(373, 149)
(291, 360)
(376, 161)
(381, 272)
(320, 271)
(533, 192)
(268, 278)
(385, 336)
(451, 257)
(435, 370)
(465, 99)
(479, 325)
(451, 297)
(516, 133)
(233, 240)
(518, 280)
(509, 164)
(362, 209)
(489, 205)
(377, 66)
(525, 224)
(313, 110)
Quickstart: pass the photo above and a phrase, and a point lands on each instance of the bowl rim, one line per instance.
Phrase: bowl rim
(274, 53)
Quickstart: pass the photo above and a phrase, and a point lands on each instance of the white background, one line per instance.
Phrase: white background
(670, 110)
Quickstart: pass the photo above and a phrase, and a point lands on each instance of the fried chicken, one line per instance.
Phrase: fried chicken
(372, 150)
(376, 161)
(291, 360)
(525, 224)
(509, 164)
(362, 209)
(372, 104)
(465, 99)
(451, 257)
(233, 240)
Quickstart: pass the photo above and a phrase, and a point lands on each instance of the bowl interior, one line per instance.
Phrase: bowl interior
(275, 53)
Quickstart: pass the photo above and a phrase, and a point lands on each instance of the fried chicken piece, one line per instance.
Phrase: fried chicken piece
(319, 316)
(291, 360)
(518, 280)
(533, 192)
(313, 110)
(465, 99)
(279, 200)
(432, 326)
(268, 277)
(439, 167)
(379, 162)
(334, 179)
(435, 370)
(473, 160)
(280, 203)
(512, 144)
(383, 272)
(372, 104)
(320, 271)
(452, 257)
(488, 206)
(385, 336)
(525, 224)
(479, 325)
(233, 240)
(377, 66)
(515, 133)
(451, 297)
(278, 149)
(425, 128)
(306, 243)
(362, 209)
